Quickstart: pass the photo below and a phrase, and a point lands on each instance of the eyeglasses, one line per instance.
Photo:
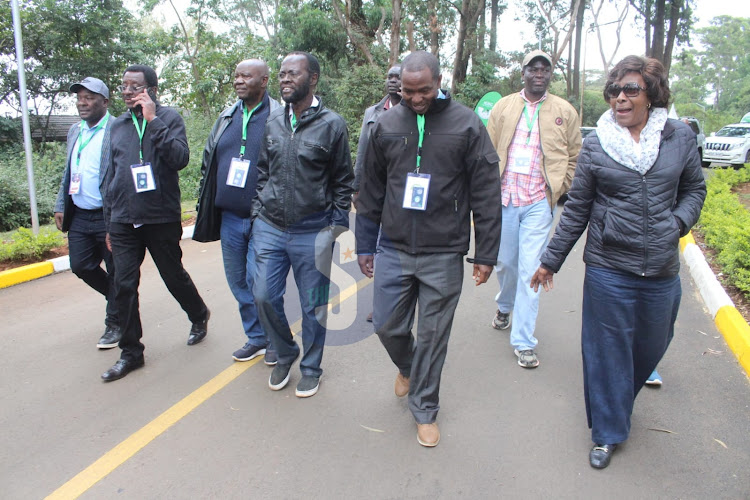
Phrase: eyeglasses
(631, 89)
(133, 88)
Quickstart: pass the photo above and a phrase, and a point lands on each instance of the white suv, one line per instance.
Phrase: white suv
(730, 145)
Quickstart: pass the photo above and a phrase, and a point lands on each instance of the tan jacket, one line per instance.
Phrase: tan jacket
(558, 131)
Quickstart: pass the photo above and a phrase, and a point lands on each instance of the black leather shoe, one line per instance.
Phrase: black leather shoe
(110, 338)
(120, 369)
(601, 454)
(199, 330)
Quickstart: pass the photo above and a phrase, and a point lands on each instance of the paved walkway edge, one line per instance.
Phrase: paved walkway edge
(33, 271)
(729, 321)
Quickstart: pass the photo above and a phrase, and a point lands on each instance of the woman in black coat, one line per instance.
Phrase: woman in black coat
(638, 187)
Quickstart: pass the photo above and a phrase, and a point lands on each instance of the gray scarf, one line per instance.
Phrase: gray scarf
(618, 143)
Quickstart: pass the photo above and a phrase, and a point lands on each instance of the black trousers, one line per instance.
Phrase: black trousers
(87, 250)
(129, 246)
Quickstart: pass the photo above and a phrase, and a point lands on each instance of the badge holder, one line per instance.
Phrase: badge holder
(143, 177)
(238, 169)
(415, 193)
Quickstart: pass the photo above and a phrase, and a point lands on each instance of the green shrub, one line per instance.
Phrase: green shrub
(25, 245)
(725, 223)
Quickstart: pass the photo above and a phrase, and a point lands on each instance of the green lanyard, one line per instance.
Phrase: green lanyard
(82, 144)
(530, 121)
(420, 129)
(294, 121)
(246, 115)
(140, 131)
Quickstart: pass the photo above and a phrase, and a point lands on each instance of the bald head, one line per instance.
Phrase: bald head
(251, 80)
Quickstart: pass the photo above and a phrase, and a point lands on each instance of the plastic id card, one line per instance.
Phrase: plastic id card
(521, 163)
(238, 170)
(417, 188)
(143, 177)
(75, 183)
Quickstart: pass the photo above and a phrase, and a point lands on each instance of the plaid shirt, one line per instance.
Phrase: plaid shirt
(523, 189)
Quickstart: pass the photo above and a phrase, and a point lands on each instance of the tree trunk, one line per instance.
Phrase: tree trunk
(493, 25)
(395, 33)
(469, 16)
(434, 29)
(577, 51)
(657, 45)
(674, 19)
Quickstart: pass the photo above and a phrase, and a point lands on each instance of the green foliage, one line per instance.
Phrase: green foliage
(23, 244)
(354, 92)
(481, 80)
(725, 223)
(48, 163)
(197, 128)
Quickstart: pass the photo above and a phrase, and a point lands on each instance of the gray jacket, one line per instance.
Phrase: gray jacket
(64, 202)
(371, 114)
(634, 221)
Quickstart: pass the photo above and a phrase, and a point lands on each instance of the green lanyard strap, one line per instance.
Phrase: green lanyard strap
(420, 129)
(140, 131)
(294, 121)
(530, 121)
(81, 143)
(246, 115)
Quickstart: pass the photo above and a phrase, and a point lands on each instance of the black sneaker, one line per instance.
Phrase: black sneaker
(111, 337)
(279, 377)
(501, 321)
(307, 386)
(270, 359)
(248, 352)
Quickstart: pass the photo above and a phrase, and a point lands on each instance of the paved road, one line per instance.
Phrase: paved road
(506, 431)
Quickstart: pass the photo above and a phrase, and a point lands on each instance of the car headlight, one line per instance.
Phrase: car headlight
(736, 146)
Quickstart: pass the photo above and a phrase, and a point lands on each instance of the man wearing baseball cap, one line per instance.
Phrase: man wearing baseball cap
(78, 209)
(537, 137)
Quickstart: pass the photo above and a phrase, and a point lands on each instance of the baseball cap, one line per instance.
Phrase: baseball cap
(533, 55)
(93, 84)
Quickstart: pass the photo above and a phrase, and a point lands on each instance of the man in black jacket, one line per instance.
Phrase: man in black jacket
(142, 211)
(429, 163)
(303, 197)
(227, 189)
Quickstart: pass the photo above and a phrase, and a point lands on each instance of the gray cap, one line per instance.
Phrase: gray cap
(93, 84)
(533, 55)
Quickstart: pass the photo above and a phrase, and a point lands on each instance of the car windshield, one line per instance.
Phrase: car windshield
(734, 132)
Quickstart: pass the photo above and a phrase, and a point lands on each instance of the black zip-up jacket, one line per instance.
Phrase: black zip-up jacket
(463, 165)
(304, 176)
(208, 220)
(165, 147)
(634, 221)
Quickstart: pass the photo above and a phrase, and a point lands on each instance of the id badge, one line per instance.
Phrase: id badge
(75, 183)
(143, 177)
(417, 188)
(521, 161)
(238, 170)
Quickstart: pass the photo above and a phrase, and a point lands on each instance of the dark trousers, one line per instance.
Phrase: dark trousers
(129, 246)
(628, 323)
(87, 250)
(433, 283)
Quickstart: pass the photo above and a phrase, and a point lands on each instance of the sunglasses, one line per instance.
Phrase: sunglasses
(631, 89)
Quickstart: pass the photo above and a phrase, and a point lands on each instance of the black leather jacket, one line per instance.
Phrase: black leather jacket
(304, 176)
(634, 221)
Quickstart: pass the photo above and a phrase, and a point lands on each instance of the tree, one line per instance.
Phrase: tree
(666, 24)
(64, 42)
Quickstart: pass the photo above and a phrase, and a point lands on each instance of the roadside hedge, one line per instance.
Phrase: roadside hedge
(725, 224)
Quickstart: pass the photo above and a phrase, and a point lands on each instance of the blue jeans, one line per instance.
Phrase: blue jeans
(523, 239)
(309, 256)
(628, 322)
(239, 267)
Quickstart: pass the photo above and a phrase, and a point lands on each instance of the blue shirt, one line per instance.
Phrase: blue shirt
(89, 197)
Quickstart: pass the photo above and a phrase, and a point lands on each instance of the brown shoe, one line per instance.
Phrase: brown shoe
(401, 387)
(428, 434)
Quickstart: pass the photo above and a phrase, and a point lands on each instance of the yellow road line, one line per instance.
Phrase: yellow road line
(138, 440)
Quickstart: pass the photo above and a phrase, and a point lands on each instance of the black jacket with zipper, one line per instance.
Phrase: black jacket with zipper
(634, 221)
(304, 176)
(464, 178)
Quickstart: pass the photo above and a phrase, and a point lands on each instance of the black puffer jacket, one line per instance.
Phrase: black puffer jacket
(635, 221)
(304, 176)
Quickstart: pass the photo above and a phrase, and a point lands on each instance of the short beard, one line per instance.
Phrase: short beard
(299, 93)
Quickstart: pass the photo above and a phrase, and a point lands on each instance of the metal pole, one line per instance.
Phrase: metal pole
(25, 115)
